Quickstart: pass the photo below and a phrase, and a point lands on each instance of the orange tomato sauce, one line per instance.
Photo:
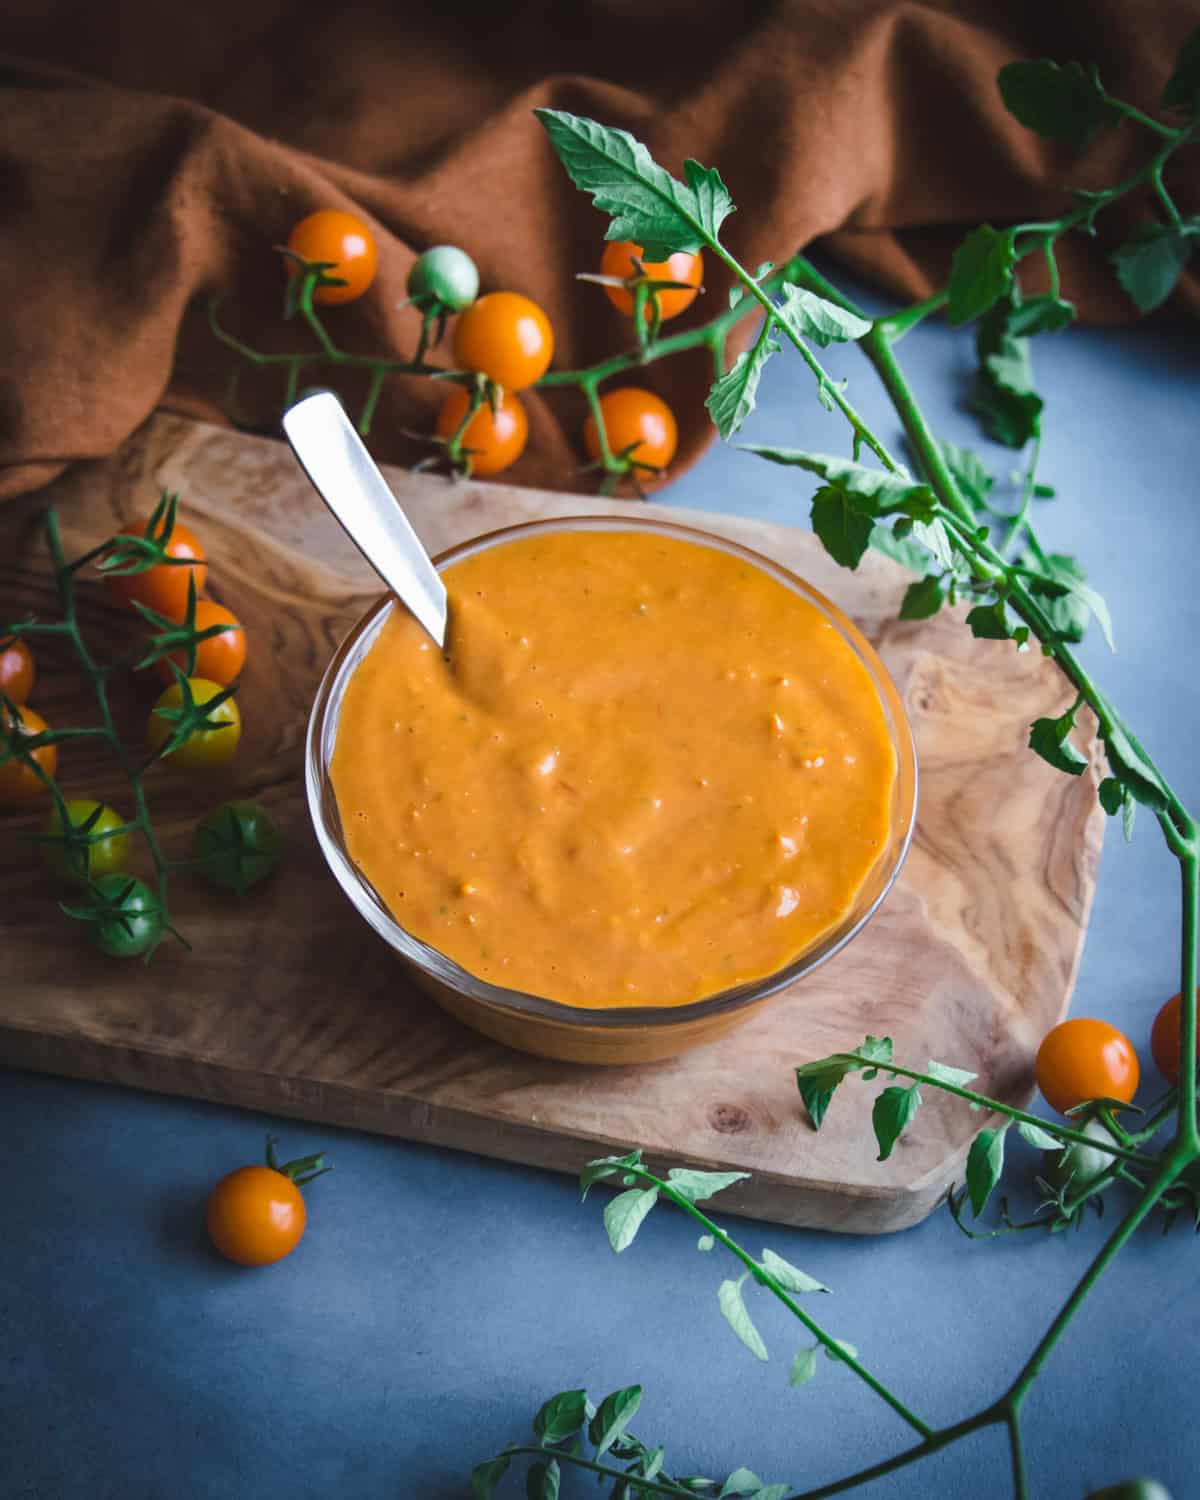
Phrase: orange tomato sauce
(642, 772)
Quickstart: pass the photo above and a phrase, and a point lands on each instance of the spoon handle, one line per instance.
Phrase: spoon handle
(345, 476)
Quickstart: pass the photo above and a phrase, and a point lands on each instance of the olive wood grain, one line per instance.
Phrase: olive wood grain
(289, 1004)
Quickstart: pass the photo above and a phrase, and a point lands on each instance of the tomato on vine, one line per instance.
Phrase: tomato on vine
(1083, 1059)
(16, 670)
(203, 749)
(125, 917)
(257, 1215)
(163, 587)
(684, 265)
(443, 276)
(1166, 1041)
(639, 425)
(506, 337)
(340, 241)
(236, 845)
(219, 658)
(492, 440)
(95, 850)
(19, 783)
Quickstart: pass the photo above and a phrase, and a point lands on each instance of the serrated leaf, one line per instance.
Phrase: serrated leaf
(542, 1481)
(1150, 265)
(985, 1162)
(1183, 87)
(922, 599)
(892, 1112)
(1059, 102)
(698, 1186)
(1004, 395)
(989, 622)
(1041, 1139)
(623, 1215)
(808, 316)
(876, 490)
(705, 1242)
(1048, 738)
(876, 1049)
(733, 1310)
(562, 1416)
(740, 1482)
(905, 549)
(486, 1476)
(970, 473)
(606, 1166)
(791, 1278)
(841, 527)
(960, 1077)
(613, 1416)
(732, 397)
(645, 202)
(1041, 315)
(980, 273)
(804, 1366)
(1069, 615)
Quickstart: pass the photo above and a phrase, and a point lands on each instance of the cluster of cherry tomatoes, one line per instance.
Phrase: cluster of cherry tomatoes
(508, 338)
(1084, 1059)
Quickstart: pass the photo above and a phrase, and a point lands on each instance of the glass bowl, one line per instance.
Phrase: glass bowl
(551, 1028)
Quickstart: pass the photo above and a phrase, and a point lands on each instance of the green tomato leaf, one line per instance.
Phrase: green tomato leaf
(1041, 315)
(876, 491)
(1150, 265)
(988, 622)
(733, 396)
(1004, 396)
(943, 1073)
(652, 1463)
(903, 549)
(562, 1416)
(985, 1162)
(645, 202)
(1133, 770)
(804, 1366)
(842, 528)
(970, 473)
(845, 1346)
(623, 1215)
(705, 1242)
(733, 1310)
(893, 1111)
(1063, 103)
(790, 1277)
(697, 1186)
(606, 1166)
(772, 1492)
(1048, 737)
(922, 599)
(808, 316)
(740, 1482)
(980, 273)
(1112, 795)
(1183, 87)
(612, 1418)
(1041, 1139)
(486, 1476)
(542, 1481)
(874, 1049)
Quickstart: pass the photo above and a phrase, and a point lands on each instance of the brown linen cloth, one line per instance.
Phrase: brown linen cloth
(153, 154)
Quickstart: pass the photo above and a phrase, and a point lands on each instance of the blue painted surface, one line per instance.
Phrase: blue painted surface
(437, 1299)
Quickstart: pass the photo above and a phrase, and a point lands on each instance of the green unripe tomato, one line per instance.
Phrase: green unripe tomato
(1131, 1489)
(236, 845)
(79, 861)
(135, 921)
(1080, 1165)
(445, 276)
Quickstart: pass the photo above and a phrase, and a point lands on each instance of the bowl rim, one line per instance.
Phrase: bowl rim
(323, 812)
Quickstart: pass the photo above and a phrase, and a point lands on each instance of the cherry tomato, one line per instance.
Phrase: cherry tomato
(1085, 1059)
(637, 422)
(131, 920)
(236, 845)
(163, 588)
(443, 276)
(506, 336)
(80, 861)
(333, 235)
(18, 783)
(495, 441)
(220, 658)
(257, 1215)
(204, 749)
(16, 670)
(1166, 1044)
(1077, 1168)
(684, 265)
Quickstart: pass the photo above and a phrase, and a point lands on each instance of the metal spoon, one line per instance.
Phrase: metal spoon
(345, 476)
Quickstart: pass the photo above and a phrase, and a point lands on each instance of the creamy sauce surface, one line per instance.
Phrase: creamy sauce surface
(643, 771)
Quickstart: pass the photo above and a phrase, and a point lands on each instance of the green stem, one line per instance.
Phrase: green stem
(942, 1438)
(1020, 1483)
(1020, 520)
(647, 1486)
(1187, 1136)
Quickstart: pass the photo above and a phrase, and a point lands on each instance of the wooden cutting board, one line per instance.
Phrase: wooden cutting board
(289, 1004)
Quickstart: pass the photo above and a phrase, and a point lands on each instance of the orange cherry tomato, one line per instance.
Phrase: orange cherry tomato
(506, 336)
(163, 588)
(16, 670)
(1166, 1044)
(204, 749)
(18, 783)
(495, 441)
(334, 235)
(1085, 1059)
(256, 1216)
(684, 265)
(637, 422)
(221, 657)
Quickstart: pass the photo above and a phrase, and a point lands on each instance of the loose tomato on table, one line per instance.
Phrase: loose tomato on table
(16, 670)
(1166, 1041)
(342, 240)
(257, 1215)
(684, 265)
(221, 657)
(204, 749)
(236, 845)
(638, 423)
(82, 860)
(163, 587)
(506, 337)
(1083, 1059)
(19, 783)
(492, 440)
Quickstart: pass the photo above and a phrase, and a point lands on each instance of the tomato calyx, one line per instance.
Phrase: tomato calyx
(236, 845)
(301, 1171)
(125, 918)
(306, 277)
(191, 716)
(68, 844)
(644, 287)
(481, 390)
(177, 635)
(130, 553)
